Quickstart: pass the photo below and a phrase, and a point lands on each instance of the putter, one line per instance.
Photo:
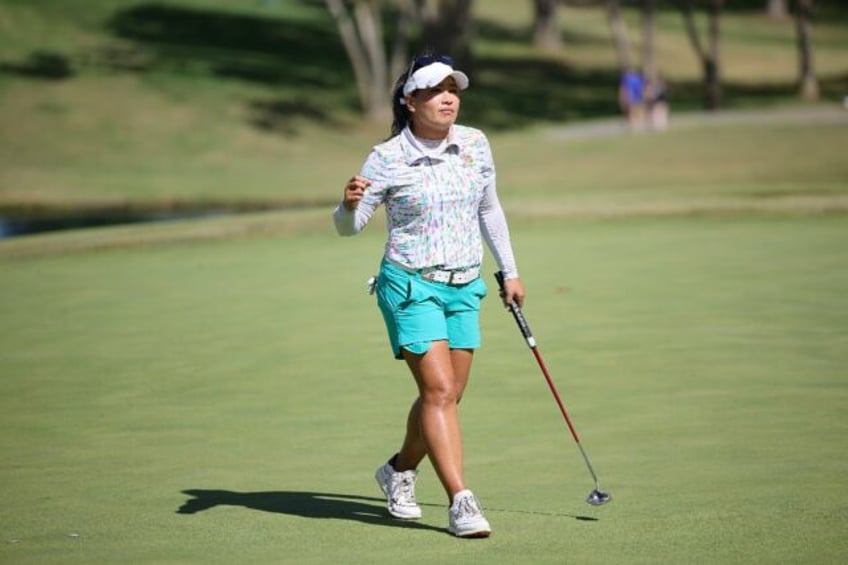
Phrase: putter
(597, 496)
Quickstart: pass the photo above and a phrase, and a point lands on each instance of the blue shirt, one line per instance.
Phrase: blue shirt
(634, 86)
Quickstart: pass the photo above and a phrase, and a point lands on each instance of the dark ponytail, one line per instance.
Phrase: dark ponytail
(400, 112)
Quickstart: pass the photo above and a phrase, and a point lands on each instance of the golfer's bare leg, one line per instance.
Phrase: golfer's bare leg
(414, 449)
(439, 391)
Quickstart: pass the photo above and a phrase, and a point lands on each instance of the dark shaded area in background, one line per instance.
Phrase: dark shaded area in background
(18, 221)
(18, 226)
(265, 50)
(32, 219)
(298, 58)
(41, 65)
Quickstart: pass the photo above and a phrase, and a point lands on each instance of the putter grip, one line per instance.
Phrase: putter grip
(517, 314)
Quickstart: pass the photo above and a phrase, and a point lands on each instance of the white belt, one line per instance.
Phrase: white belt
(463, 276)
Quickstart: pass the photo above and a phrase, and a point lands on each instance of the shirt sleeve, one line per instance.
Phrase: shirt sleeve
(351, 222)
(493, 224)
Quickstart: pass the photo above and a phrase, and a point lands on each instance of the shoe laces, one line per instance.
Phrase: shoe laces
(467, 506)
(404, 487)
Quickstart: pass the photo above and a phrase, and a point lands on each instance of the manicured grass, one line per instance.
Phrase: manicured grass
(689, 168)
(702, 361)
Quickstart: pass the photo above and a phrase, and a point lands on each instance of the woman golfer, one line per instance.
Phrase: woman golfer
(436, 180)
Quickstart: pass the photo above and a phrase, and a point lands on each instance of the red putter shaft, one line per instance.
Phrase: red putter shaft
(597, 496)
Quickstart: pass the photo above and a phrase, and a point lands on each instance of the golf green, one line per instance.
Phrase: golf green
(229, 401)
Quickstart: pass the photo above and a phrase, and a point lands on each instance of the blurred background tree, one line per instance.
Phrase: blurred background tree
(809, 84)
(776, 9)
(546, 32)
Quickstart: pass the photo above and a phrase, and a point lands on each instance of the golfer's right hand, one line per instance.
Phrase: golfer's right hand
(354, 191)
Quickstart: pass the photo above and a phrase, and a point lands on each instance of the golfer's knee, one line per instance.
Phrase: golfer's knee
(439, 394)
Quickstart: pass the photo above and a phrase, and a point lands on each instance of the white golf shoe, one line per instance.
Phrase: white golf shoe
(399, 488)
(466, 517)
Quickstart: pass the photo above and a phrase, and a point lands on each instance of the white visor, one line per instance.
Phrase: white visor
(432, 75)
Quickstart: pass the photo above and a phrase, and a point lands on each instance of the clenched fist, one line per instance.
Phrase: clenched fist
(354, 191)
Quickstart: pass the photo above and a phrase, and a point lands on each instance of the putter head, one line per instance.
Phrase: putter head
(598, 497)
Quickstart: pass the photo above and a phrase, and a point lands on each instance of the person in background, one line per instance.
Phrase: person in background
(631, 98)
(656, 94)
(436, 180)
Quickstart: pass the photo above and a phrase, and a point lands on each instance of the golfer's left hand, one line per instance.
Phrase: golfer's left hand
(513, 292)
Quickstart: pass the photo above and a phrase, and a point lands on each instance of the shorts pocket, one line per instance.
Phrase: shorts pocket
(469, 297)
(480, 288)
(397, 289)
(417, 292)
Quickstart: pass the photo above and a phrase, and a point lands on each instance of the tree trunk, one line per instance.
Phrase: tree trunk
(809, 84)
(619, 35)
(776, 9)
(546, 34)
(368, 21)
(362, 37)
(649, 62)
(712, 74)
(709, 58)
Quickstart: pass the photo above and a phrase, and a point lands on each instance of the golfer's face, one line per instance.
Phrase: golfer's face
(434, 110)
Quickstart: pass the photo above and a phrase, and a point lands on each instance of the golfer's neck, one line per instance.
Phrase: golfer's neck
(423, 132)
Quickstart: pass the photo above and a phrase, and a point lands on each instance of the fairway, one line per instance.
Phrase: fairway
(228, 402)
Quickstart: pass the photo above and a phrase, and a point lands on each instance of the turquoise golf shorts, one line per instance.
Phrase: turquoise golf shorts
(418, 312)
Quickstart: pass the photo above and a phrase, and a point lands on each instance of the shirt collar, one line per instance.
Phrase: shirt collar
(413, 151)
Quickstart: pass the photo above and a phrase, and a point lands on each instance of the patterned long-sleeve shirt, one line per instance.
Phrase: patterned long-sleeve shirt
(440, 204)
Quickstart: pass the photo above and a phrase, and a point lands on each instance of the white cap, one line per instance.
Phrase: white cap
(432, 75)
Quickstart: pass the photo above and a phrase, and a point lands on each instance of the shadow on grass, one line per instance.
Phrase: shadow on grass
(320, 505)
(578, 517)
(488, 509)
(302, 59)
